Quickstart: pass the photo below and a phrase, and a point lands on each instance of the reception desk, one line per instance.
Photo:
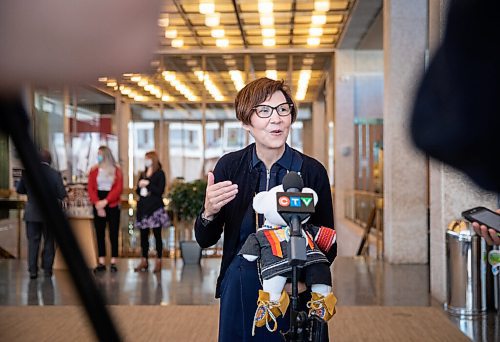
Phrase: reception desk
(83, 229)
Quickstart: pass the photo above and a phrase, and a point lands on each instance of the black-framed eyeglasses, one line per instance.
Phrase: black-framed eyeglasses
(265, 111)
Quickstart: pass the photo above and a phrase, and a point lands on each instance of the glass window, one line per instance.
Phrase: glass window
(234, 136)
(143, 140)
(186, 150)
(72, 126)
(84, 156)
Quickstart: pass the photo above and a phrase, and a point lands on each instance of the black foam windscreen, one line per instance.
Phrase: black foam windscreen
(292, 180)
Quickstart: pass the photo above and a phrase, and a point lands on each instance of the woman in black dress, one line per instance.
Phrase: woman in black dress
(151, 214)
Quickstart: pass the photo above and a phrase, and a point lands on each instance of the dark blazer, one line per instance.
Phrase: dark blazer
(237, 167)
(153, 201)
(54, 180)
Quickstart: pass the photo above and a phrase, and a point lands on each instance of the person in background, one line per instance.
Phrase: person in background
(267, 112)
(151, 214)
(105, 187)
(489, 235)
(35, 225)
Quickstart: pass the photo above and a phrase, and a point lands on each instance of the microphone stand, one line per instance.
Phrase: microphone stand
(302, 327)
(294, 207)
(297, 257)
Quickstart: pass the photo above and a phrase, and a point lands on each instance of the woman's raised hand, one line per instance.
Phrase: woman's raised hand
(218, 195)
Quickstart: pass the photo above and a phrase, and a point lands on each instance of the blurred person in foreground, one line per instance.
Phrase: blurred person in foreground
(267, 112)
(151, 214)
(105, 188)
(456, 114)
(36, 227)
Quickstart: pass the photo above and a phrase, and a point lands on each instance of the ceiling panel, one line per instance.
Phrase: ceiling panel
(244, 57)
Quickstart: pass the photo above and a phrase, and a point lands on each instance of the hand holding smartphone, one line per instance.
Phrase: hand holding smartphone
(489, 221)
(483, 216)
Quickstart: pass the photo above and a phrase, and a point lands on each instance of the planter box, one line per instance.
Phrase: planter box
(190, 252)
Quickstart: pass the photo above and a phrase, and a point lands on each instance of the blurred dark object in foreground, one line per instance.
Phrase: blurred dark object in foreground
(60, 41)
(66, 42)
(15, 124)
(456, 116)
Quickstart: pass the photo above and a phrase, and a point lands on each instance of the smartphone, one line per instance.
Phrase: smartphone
(484, 216)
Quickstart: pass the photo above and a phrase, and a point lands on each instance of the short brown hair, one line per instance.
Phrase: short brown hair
(257, 92)
(154, 158)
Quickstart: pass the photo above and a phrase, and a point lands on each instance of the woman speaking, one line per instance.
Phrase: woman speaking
(266, 111)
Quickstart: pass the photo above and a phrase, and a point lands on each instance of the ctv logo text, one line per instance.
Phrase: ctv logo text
(294, 201)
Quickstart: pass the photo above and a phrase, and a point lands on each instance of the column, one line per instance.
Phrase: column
(161, 145)
(307, 132)
(319, 142)
(330, 111)
(358, 85)
(405, 168)
(123, 117)
(344, 131)
(165, 157)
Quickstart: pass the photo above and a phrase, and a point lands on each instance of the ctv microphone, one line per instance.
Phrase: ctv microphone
(295, 206)
(292, 182)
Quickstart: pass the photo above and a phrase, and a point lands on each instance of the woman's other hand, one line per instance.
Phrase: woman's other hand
(101, 204)
(143, 183)
(101, 212)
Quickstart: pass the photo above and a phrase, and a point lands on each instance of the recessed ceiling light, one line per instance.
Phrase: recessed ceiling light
(171, 33)
(268, 32)
(313, 41)
(318, 19)
(206, 7)
(164, 22)
(212, 19)
(308, 61)
(177, 43)
(222, 42)
(271, 63)
(322, 5)
(269, 42)
(265, 7)
(272, 74)
(316, 31)
(217, 33)
(266, 20)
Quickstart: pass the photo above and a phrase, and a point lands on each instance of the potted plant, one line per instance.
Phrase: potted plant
(185, 201)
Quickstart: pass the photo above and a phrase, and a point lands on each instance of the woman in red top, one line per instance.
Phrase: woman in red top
(105, 188)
